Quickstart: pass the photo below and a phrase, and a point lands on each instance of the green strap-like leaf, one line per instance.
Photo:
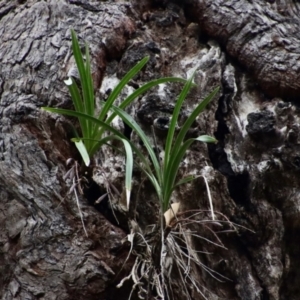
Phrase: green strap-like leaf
(78, 104)
(116, 91)
(82, 150)
(132, 123)
(99, 123)
(173, 166)
(128, 173)
(144, 89)
(206, 139)
(86, 82)
(77, 114)
(89, 84)
(185, 180)
(81, 69)
(136, 94)
(190, 120)
(144, 165)
(175, 115)
(128, 165)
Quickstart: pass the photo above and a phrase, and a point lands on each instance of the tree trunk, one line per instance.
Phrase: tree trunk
(249, 49)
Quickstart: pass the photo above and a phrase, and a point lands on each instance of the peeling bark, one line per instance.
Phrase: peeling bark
(247, 48)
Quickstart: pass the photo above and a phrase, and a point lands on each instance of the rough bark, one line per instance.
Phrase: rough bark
(248, 48)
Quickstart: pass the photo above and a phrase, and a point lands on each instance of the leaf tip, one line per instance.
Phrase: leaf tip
(82, 150)
(68, 81)
(128, 193)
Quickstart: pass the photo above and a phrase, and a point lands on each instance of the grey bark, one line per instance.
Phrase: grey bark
(248, 48)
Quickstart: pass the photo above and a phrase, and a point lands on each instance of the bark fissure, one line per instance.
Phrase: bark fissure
(252, 172)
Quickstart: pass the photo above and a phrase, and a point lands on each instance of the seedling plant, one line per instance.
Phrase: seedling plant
(162, 245)
(94, 126)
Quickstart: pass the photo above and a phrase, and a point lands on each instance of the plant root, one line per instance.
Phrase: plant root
(156, 264)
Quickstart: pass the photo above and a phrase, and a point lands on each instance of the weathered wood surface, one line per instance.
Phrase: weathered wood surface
(262, 36)
(44, 252)
(249, 48)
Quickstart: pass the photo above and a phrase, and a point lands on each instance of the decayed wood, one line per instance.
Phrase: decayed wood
(252, 173)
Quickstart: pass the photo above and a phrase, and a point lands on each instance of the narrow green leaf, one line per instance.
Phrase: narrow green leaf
(185, 180)
(144, 167)
(89, 81)
(179, 149)
(82, 150)
(173, 167)
(77, 114)
(80, 66)
(144, 89)
(132, 123)
(171, 172)
(174, 119)
(128, 173)
(136, 94)
(75, 94)
(128, 165)
(116, 91)
(73, 113)
(86, 81)
(78, 104)
(206, 139)
(190, 120)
